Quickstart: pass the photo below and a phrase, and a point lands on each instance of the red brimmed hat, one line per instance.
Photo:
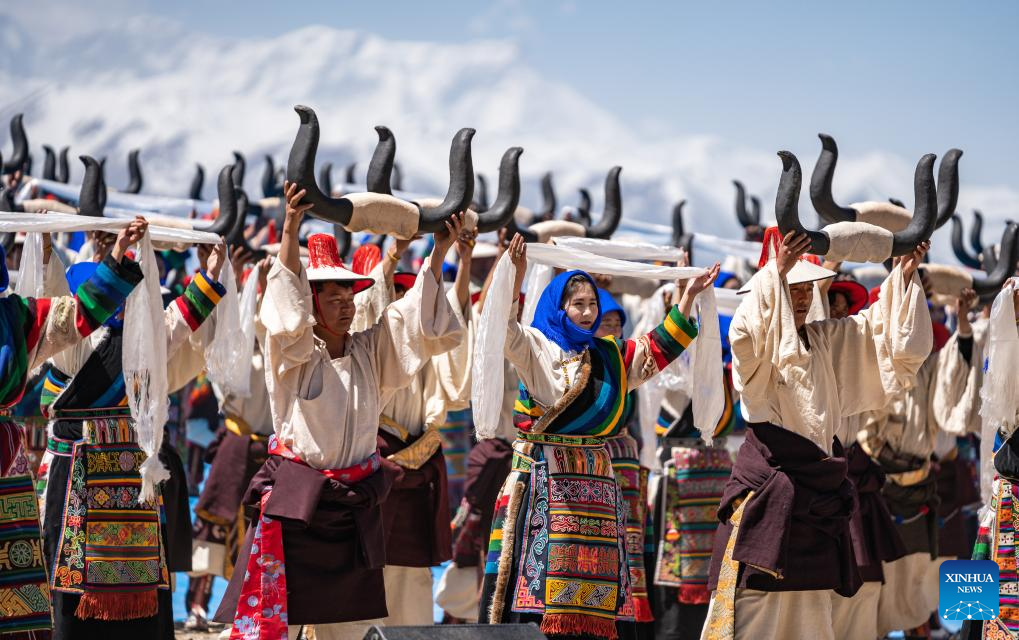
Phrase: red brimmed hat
(856, 294)
(324, 263)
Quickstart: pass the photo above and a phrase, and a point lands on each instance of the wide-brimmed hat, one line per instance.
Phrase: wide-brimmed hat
(856, 294)
(324, 264)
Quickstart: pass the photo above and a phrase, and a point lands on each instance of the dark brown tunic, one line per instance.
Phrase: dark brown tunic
(875, 539)
(332, 543)
(797, 523)
(416, 513)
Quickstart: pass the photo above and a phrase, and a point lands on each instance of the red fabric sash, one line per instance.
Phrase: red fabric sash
(262, 606)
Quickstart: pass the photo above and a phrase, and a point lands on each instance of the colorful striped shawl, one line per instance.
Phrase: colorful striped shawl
(598, 402)
(23, 320)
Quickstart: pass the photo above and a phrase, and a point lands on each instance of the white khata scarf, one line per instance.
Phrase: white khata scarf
(487, 368)
(144, 350)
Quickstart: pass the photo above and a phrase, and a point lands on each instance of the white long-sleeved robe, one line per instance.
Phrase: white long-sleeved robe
(849, 368)
(326, 410)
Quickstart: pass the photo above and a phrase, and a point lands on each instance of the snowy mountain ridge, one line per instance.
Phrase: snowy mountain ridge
(186, 97)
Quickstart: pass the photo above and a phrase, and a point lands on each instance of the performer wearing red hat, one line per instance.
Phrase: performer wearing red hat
(315, 553)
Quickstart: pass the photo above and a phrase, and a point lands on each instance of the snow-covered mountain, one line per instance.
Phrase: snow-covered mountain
(185, 97)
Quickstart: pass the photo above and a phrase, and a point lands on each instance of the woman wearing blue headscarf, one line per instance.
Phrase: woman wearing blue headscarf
(557, 553)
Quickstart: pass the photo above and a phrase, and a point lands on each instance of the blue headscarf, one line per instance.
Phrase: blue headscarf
(607, 303)
(551, 320)
(77, 275)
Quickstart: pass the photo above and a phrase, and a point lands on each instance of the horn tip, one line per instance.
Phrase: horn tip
(788, 159)
(827, 142)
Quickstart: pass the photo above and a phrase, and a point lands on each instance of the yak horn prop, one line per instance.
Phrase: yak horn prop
(64, 166)
(49, 165)
(239, 168)
(609, 221)
(134, 172)
(20, 140)
(508, 197)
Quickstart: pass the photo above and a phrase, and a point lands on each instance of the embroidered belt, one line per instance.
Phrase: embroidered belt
(416, 454)
(348, 475)
(392, 426)
(60, 446)
(89, 413)
(910, 478)
(239, 427)
(560, 440)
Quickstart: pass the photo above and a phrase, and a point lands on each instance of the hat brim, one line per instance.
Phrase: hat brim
(405, 280)
(801, 273)
(855, 293)
(340, 275)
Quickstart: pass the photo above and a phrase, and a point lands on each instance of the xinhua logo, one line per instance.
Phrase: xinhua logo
(969, 590)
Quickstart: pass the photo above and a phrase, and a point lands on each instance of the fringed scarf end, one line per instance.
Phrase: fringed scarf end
(118, 606)
(578, 624)
(642, 610)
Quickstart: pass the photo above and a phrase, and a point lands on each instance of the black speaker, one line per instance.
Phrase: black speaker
(527, 631)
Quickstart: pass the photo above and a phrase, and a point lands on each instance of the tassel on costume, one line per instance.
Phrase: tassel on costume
(578, 624)
(117, 606)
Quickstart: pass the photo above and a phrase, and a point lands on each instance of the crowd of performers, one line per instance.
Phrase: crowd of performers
(594, 450)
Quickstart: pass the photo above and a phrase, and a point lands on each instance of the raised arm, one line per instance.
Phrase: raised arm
(654, 351)
(54, 324)
(420, 325)
(879, 351)
(191, 309)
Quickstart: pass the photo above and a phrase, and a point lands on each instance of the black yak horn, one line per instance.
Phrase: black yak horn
(897, 202)
(239, 168)
(741, 205)
(342, 241)
(49, 165)
(90, 199)
(397, 177)
(480, 204)
(506, 201)
(225, 222)
(20, 156)
(613, 213)
(584, 207)
(64, 166)
(269, 178)
(102, 183)
(957, 245)
(380, 169)
(348, 175)
(134, 171)
(548, 203)
(755, 210)
(195, 191)
(301, 169)
(325, 178)
(461, 185)
(1007, 257)
(820, 184)
(678, 229)
(975, 231)
(948, 185)
(925, 209)
(787, 204)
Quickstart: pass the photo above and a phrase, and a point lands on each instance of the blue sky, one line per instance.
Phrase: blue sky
(903, 77)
